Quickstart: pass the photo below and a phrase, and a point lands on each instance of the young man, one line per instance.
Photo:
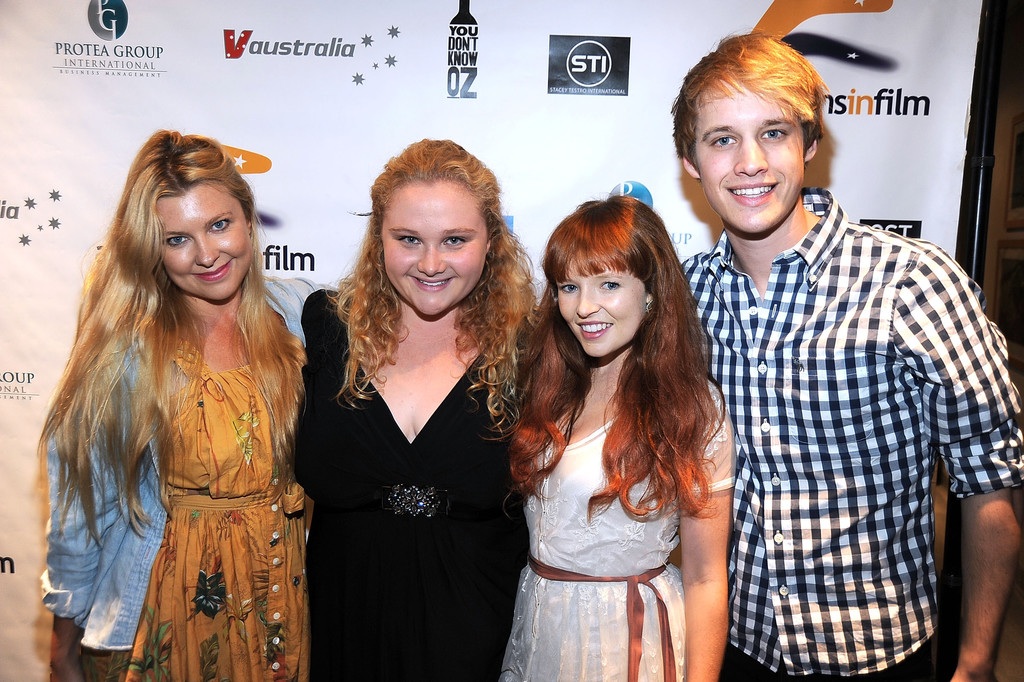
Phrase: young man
(850, 358)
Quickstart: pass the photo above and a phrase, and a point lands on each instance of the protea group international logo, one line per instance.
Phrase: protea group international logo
(17, 385)
(108, 18)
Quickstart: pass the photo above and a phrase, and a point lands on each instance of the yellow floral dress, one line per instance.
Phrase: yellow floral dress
(227, 597)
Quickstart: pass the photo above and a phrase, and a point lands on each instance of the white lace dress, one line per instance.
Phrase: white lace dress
(577, 631)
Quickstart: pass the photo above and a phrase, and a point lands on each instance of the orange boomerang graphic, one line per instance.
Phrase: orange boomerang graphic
(785, 15)
(248, 162)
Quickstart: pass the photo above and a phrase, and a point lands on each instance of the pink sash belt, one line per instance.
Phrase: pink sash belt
(634, 611)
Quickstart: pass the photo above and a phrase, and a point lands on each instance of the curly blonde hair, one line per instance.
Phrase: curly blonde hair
(492, 319)
(120, 390)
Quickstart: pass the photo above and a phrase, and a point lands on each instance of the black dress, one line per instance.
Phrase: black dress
(403, 596)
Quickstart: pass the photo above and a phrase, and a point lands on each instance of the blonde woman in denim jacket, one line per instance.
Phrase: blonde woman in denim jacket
(176, 543)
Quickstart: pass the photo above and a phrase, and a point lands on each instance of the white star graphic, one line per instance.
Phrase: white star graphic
(239, 161)
(852, 55)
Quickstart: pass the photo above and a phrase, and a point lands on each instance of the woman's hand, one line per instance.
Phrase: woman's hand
(66, 651)
(704, 566)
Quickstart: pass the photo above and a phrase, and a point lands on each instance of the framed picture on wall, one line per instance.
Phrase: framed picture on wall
(1008, 302)
(1015, 186)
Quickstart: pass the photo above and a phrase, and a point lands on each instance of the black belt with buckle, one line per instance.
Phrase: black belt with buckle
(404, 499)
(414, 500)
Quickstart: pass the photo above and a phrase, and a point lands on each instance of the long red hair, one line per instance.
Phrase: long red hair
(665, 411)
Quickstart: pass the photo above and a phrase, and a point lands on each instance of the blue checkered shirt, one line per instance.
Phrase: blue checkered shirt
(868, 355)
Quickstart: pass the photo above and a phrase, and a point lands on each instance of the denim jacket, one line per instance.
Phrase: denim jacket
(102, 586)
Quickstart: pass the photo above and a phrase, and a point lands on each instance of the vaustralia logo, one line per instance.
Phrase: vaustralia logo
(33, 220)
(238, 43)
(278, 257)
(8, 212)
(588, 65)
(885, 102)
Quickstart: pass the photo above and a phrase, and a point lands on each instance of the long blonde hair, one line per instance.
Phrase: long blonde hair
(492, 319)
(118, 393)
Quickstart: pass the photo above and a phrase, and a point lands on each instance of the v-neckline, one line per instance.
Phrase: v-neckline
(427, 424)
(600, 430)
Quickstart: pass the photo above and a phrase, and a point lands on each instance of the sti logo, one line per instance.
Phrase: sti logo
(588, 65)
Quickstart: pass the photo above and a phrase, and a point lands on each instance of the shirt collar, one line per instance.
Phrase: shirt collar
(818, 245)
(720, 256)
(815, 248)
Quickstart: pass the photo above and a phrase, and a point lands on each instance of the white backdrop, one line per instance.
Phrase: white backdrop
(84, 83)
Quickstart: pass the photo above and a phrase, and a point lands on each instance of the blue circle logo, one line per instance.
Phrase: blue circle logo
(637, 190)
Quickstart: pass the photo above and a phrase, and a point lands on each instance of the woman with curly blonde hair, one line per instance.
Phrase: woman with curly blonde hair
(175, 542)
(415, 546)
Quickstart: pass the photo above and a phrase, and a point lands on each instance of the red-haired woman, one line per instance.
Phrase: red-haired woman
(623, 452)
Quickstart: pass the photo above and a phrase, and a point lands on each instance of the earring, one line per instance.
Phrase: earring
(647, 306)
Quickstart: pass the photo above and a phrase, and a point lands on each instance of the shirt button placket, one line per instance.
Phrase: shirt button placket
(274, 603)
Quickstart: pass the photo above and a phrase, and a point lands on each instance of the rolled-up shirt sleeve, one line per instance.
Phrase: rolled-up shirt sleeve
(970, 404)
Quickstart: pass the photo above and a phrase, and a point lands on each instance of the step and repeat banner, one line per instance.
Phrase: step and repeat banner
(565, 101)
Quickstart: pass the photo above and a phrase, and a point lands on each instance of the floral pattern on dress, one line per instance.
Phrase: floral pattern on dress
(633, 534)
(211, 592)
(227, 595)
(244, 426)
(152, 664)
(571, 631)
